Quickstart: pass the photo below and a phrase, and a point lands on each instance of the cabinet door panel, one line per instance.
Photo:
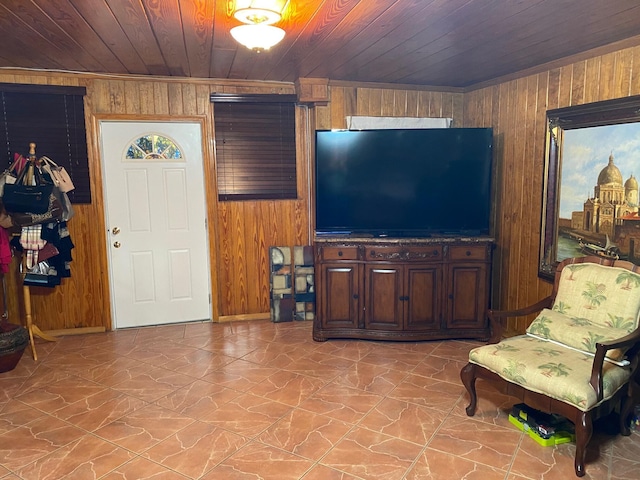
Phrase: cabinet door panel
(423, 297)
(383, 289)
(467, 296)
(339, 298)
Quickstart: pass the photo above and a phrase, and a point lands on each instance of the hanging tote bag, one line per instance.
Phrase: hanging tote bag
(30, 193)
(59, 175)
(41, 275)
(54, 213)
(10, 175)
(65, 203)
(32, 200)
(5, 219)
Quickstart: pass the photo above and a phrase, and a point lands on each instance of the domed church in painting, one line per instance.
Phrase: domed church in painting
(609, 222)
(612, 201)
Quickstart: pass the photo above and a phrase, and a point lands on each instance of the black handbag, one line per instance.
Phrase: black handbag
(41, 280)
(41, 275)
(21, 197)
(53, 213)
(30, 204)
(27, 198)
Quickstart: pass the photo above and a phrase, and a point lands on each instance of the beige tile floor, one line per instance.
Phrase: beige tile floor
(257, 400)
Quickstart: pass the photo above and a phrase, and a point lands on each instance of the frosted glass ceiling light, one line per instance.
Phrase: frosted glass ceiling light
(257, 37)
(258, 33)
(266, 12)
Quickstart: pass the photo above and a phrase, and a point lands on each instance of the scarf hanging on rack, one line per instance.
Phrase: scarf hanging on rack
(5, 251)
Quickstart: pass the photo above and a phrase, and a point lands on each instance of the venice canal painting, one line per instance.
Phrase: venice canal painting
(598, 208)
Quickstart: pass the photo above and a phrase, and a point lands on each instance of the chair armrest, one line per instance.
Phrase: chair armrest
(632, 340)
(496, 317)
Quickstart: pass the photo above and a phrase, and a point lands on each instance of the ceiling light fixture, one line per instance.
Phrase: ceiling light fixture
(258, 33)
(257, 37)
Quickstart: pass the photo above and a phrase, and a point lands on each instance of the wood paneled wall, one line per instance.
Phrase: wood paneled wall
(79, 302)
(516, 110)
(386, 102)
(241, 232)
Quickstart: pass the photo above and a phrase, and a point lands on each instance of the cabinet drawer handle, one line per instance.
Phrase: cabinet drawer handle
(468, 253)
(355, 296)
(340, 253)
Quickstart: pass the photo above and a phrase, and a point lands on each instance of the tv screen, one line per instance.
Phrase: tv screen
(419, 182)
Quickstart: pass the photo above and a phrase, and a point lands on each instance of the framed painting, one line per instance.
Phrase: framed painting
(590, 188)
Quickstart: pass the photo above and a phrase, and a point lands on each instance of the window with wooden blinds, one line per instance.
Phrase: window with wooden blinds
(53, 118)
(255, 146)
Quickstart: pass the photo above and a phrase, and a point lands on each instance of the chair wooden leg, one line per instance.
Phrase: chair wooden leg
(584, 430)
(468, 377)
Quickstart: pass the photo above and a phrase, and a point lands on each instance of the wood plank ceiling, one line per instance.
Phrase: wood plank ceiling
(452, 43)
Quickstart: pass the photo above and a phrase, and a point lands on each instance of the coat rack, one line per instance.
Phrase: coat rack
(26, 293)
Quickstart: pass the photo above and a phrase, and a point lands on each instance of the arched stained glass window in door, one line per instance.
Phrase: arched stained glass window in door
(153, 147)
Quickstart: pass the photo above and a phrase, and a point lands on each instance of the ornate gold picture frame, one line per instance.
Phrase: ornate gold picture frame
(559, 122)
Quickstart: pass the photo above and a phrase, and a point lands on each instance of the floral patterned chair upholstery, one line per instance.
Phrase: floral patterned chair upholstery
(579, 357)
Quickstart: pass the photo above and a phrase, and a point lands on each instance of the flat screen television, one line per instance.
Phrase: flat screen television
(403, 183)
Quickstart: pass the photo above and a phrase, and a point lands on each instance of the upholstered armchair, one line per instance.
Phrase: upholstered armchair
(579, 357)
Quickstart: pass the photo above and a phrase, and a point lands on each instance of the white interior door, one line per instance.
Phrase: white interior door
(156, 220)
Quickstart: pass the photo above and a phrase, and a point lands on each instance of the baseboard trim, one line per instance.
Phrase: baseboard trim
(244, 317)
(74, 331)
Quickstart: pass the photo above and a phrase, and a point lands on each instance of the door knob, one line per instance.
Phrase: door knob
(116, 244)
(115, 230)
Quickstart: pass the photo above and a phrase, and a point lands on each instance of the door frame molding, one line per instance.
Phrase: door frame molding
(98, 188)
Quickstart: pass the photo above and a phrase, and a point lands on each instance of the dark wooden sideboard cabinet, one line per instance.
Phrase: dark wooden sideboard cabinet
(402, 289)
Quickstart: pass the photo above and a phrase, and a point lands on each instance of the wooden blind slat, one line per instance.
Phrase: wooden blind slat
(255, 150)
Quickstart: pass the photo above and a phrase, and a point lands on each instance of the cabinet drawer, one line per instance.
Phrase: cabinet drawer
(339, 253)
(404, 254)
(468, 252)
